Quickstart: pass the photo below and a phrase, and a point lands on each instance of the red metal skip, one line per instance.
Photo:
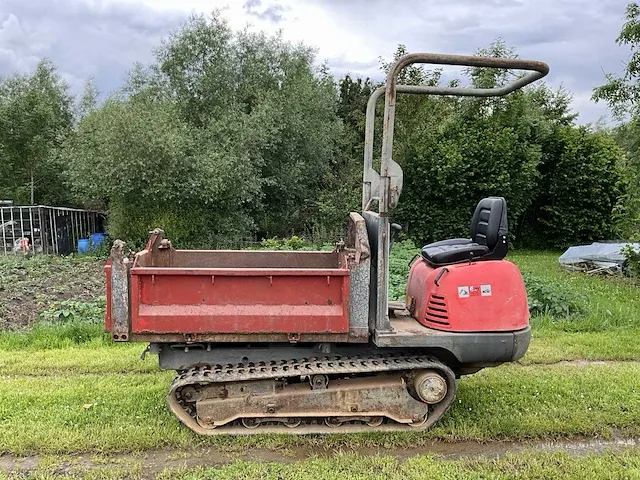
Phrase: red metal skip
(209, 300)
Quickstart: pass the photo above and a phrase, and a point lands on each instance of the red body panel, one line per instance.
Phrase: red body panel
(487, 296)
(221, 300)
(107, 310)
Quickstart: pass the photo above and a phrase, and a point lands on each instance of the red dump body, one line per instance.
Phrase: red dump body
(196, 294)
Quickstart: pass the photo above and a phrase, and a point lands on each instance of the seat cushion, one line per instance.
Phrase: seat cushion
(451, 241)
(453, 253)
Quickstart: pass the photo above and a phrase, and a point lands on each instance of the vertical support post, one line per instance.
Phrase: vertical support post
(52, 233)
(43, 239)
(4, 235)
(120, 299)
(72, 234)
(32, 230)
(55, 230)
(74, 229)
(382, 310)
(21, 222)
(13, 230)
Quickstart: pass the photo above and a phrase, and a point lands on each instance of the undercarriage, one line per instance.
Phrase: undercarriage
(328, 394)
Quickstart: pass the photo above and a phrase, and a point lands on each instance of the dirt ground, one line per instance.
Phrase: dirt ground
(29, 285)
(155, 461)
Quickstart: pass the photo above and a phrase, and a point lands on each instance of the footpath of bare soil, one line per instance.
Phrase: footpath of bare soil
(153, 462)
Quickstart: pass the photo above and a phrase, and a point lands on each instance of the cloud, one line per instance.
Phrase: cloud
(575, 37)
(273, 13)
(103, 38)
(83, 38)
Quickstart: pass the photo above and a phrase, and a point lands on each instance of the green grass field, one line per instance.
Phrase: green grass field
(66, 389)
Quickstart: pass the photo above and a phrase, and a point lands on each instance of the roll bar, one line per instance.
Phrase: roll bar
(539, 70)
(388, 184)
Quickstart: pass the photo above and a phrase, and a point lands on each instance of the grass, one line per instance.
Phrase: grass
(612, 308)
(49, 414)
(613, 302)
(525, 465)
(66, 388)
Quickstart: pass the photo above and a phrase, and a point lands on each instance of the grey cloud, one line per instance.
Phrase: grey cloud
(84, 39)
(576, 37)
(273, 12)
(95, 38)
(251, 4)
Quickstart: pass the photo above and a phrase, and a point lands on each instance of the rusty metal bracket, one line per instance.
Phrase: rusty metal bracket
(120, 301)
(293, 337)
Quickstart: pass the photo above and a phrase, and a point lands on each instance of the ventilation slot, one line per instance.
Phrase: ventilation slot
(437, 311)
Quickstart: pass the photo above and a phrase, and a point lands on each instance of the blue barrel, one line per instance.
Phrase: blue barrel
(83, 245)
(97, 239)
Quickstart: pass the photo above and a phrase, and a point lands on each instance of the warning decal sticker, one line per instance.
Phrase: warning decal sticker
(474, 291)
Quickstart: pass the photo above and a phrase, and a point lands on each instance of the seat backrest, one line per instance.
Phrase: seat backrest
(489, 222)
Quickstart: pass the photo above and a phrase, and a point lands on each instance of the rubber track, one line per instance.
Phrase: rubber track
(330, 365)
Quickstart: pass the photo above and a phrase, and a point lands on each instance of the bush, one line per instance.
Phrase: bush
(552, 298)
(632, 260)
(401, 254)
(72, 311)
(292, 243)
(579, 189)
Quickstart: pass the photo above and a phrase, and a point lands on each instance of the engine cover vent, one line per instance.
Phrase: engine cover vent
(437, 310)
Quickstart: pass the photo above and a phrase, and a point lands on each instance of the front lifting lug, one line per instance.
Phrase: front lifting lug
(293, 337)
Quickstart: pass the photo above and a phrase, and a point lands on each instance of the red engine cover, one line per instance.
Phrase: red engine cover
(487, 296)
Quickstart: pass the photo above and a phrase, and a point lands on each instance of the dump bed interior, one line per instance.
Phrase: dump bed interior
(239, 259)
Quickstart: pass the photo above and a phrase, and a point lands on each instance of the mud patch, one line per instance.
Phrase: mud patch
(150, 463)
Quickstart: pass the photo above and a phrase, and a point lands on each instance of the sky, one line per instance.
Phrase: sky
(101, 39)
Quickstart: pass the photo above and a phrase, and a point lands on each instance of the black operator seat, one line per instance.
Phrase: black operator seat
(488, 240)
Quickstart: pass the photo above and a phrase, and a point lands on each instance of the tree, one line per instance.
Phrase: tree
(622, 93)
(562, 183)
(36, 115)
(579, 188)
(88, 101)
(251, 135)
(455, 151)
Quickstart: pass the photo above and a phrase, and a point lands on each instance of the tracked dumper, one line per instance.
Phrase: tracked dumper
(308, 342)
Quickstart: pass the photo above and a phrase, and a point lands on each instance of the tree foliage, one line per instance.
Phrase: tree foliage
(622, 93)
(561, 182)
(36, 113)
(238, 127)
(230, 134)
